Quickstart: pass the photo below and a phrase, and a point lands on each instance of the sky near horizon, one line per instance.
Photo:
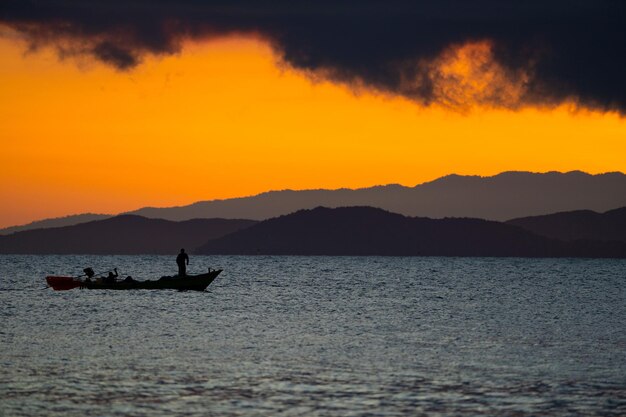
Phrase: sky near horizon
(229, 116)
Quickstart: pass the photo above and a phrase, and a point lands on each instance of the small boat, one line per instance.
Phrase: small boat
(185, 283)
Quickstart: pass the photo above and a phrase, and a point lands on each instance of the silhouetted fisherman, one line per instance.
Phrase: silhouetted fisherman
(182, 260)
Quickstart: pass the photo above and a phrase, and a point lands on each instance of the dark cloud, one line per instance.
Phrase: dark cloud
(551, 50)
(113, 54)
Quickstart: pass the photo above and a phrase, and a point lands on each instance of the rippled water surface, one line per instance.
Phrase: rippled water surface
(345, 336)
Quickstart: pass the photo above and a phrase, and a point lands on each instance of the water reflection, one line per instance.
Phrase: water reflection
(318, 336)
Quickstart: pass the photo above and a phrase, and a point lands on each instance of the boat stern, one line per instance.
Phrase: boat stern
(62, 283)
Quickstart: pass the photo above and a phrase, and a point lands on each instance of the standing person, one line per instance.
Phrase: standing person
(182, 260)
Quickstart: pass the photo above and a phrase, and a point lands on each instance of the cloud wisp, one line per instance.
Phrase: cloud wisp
(501, 53)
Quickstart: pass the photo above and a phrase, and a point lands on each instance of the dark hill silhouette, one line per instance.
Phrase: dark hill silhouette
(56, 222)
(125, 234)
(581, 224)
(501, 197)
(371, 231)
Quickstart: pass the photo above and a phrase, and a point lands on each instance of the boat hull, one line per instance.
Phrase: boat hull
(63, 283)
(187, 283)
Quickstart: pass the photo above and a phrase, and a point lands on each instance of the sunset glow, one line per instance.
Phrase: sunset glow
(226, 118)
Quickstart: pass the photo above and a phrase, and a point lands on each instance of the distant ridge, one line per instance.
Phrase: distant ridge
(56, 222)
(359, 231)
(126, 234)
(502, 197)
(576, 225)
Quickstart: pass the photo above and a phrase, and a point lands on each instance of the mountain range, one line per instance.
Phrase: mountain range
(373, 231)
(501, 197)
(329, 231)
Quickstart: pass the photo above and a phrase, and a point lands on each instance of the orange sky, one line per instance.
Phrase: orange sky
(221, 120)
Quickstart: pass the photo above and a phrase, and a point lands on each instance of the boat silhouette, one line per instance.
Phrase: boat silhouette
(197, 282)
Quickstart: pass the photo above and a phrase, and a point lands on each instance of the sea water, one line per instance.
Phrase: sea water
(317, 336)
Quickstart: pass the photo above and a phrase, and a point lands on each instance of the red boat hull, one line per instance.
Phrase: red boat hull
(62, 283)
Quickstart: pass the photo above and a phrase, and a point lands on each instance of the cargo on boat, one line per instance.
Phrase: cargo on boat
(182, 283)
